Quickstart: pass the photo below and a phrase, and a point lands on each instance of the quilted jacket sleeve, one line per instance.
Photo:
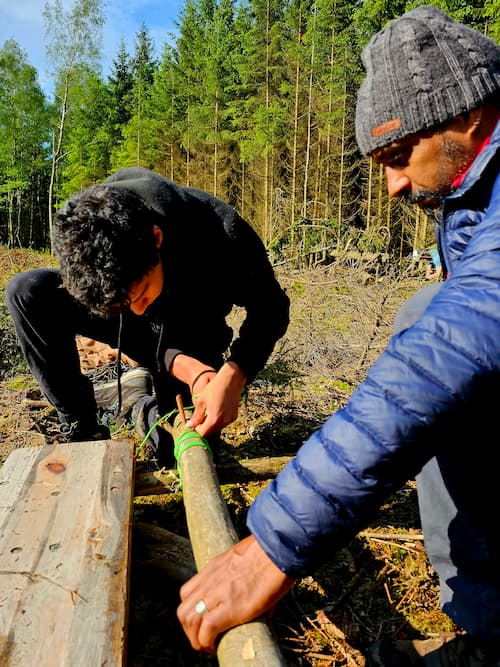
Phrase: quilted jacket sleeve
(416, 395)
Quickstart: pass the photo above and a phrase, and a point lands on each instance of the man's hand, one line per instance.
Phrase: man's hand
(216, 394)
(216, 399)
(236, 586)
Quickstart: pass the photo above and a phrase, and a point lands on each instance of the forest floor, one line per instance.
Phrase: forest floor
(380, 585)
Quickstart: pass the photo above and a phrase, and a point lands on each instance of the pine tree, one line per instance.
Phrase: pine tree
(266, 122)
(88, 142)
(137, 132)
(164, 119)
(210, 113)
(190, 50)
(120, 83)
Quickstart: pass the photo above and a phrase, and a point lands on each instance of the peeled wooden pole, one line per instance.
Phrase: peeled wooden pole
(150, 482)
(211, 532)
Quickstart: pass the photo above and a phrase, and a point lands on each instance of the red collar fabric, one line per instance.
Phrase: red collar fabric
(458, 180)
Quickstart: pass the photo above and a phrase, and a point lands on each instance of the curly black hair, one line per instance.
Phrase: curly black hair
(103, 237)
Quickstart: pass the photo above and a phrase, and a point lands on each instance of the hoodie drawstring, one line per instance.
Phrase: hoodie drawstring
(119, 365)
(158, 349)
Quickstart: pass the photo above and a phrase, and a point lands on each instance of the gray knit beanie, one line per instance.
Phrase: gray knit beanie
(423, 69)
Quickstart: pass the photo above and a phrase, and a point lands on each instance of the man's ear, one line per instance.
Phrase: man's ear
(158, 234)
(474, 119)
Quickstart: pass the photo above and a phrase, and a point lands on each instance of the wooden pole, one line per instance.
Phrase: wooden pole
(211, 532)
(154, 482)
(161, 549)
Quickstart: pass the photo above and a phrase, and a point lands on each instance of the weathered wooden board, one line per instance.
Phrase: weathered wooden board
(65, 517)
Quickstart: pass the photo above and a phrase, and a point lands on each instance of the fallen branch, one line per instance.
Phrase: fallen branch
(161, 549)
(405, 537)
(37, 404)
(151, 482)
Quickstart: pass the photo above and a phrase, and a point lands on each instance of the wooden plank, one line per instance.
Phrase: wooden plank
(65, 518)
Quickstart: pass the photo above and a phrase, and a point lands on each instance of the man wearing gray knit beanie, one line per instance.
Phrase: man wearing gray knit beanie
(423, 70)
(429, 111)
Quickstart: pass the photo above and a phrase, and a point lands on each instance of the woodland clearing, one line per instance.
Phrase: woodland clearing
(380, 585)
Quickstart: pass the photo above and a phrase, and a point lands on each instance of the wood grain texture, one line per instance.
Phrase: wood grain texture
(65, 517)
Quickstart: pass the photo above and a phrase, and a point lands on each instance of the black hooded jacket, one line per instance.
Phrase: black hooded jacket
(212, 260)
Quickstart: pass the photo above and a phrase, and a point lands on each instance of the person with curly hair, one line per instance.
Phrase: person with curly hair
(154, 269)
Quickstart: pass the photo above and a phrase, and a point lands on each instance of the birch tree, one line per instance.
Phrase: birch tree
(74, 46)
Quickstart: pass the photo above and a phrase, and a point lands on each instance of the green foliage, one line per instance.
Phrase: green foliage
(373, 239)
(298, 288)
(343, 386)
(120, 84)
(137, 132)
(164, 116)
(372, 15)
(252, 100)
(24, 131)
(11, 358)
(74, 34)
(73, 49)
(89, 136)
(492, 18)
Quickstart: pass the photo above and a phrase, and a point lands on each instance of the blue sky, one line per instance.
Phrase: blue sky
(22, 20)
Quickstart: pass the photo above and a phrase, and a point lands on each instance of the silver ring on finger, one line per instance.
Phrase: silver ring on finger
(201, 608)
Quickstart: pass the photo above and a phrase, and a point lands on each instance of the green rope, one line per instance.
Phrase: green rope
(185, 441)
(157, 423)
(196, 439)
(189, 439)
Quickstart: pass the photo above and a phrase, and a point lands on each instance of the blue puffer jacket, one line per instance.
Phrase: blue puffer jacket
(434, 392)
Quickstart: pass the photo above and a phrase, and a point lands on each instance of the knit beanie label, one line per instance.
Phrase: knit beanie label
(391, 125)
(422, 70)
